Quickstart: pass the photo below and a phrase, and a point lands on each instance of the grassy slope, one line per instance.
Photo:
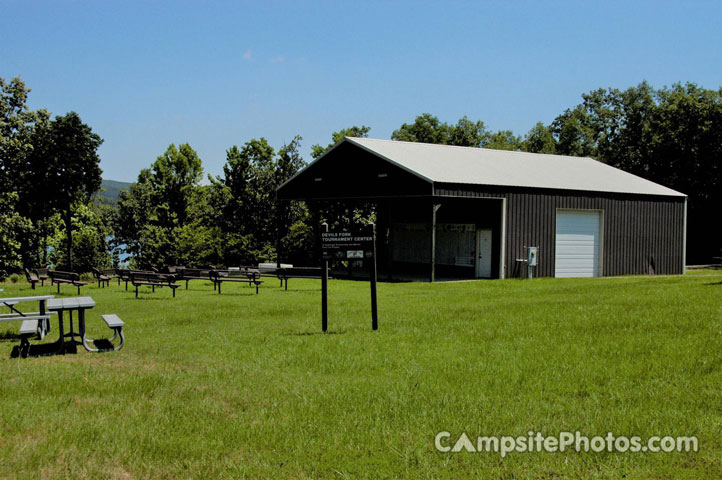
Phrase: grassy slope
(243, 385)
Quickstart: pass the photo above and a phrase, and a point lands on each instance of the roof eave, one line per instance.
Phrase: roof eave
(383, 157)
(309, 165)
(673, 194)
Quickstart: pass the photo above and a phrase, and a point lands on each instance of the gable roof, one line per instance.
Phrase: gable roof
(483, 166)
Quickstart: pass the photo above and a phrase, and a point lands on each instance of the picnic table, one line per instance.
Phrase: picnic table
(285, 272)
(81, 304)
(62, 305)
(71, 278)
(153, 280)
(102, 278)
(189, 274)
(32, 322)
(126, 275)
(242, 275)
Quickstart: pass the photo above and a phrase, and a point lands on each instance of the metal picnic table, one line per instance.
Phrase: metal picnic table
(79, 304)
(16, 314)
(32, 322)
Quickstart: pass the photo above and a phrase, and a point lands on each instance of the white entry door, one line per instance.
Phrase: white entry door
(577, 243)
(483, 253)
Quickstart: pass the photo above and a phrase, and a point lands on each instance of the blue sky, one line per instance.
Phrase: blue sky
(215, 74)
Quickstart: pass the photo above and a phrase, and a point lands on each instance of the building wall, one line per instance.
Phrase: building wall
(642, 234)
(410, 252)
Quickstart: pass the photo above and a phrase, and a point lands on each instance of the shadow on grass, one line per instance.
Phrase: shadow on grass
(141, 297)
(306, 334)
(103, 344)
(45, 350)
(9, 336)
(713, 283)
(301, 290)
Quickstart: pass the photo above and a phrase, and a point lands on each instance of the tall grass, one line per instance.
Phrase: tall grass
(243, 385)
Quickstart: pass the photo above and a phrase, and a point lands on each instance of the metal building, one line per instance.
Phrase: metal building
(457, 212)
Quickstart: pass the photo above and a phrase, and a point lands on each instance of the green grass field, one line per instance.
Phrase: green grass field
(244, 386)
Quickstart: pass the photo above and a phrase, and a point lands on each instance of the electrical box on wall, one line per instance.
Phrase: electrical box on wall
(532, 256)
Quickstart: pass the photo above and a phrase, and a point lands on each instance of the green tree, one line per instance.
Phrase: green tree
(90, 248)
(17, 123)
(13, 230)
(261, 190)
(426, 129)
(504, 140)
(135, 210)
(164, 202)
(174, 175)
(575, 133)
(540, 139)
(429, 129)
(294, 231)
(468, 134)
(247, 187)
(17, 126)
(672, 136)
(64, 168)
(358, 132)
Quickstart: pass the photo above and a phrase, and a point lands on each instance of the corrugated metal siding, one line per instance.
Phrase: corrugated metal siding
(641, 233)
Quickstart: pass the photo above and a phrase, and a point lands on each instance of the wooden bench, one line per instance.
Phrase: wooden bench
(72, 278)
(110, 272)
(153, 280)
(42, 274)
(124, 275)
(102, 278)
(249, 276)
(283, 274)
(189, 274)
(33, 278)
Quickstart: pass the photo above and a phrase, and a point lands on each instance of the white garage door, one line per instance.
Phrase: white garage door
(577, 244)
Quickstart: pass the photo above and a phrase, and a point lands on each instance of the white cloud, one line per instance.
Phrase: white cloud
(247, 54)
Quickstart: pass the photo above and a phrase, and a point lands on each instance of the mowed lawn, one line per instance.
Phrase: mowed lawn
(240, 385)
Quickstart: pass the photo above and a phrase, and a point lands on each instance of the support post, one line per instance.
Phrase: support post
(372, 277)
(324, 288)
(389, 242)
(46, 322)
(434, 208)
(279, 214)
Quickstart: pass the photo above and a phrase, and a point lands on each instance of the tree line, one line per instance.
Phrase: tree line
(671, 136)
(174, 215)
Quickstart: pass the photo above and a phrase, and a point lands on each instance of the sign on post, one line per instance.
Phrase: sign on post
(347, 245)
(339, 246)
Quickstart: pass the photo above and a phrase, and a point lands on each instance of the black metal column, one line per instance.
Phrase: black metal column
(434, 209)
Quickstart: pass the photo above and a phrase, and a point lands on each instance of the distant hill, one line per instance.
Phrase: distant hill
(110, 189)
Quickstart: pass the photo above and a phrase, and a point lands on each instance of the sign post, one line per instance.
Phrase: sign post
(324, 289)
(372, 277)
(348, 246)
